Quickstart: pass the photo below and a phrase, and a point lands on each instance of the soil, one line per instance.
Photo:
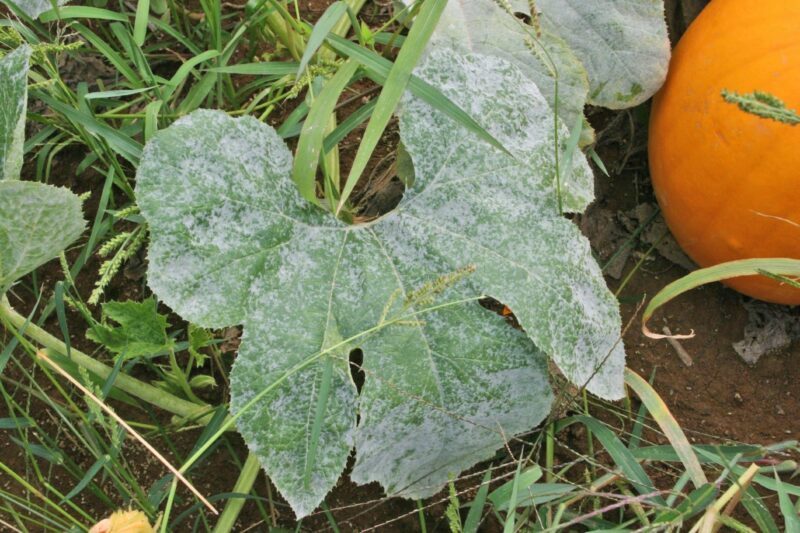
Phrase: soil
(720, 398)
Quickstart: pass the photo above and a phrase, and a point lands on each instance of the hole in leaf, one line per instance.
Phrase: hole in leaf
(382, 185)
(499, 308)
(524, 17)
(356, 371)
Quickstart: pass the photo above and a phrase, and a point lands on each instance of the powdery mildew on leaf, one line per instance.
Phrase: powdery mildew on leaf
(34, 8)
(482, 27)
(37, 221)
(623, 45)
(501, 214)
(13, 101)
(232, 242)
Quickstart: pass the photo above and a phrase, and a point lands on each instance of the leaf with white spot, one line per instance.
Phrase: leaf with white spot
(623, 45)
(34, 8)
(482, 27)
(446, 381)
(13, 100)
(37, 221)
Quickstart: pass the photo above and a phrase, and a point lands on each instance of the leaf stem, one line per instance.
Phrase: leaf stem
(132, 386)
(247, 478)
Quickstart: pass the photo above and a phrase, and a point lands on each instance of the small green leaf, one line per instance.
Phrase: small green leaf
(199, 338)
(141, 329)
(13, 101)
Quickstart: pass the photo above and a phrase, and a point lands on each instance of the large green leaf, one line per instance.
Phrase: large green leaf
(623, 45)
(233, 242)
(13, 100)
(37, 221)
(481, 26)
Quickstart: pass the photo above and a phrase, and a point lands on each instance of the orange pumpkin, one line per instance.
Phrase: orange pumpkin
(729, 182)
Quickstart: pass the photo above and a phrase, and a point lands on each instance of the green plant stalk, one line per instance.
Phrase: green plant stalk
(276, 21)
(325, 55)
(247, 478)
(132, 386)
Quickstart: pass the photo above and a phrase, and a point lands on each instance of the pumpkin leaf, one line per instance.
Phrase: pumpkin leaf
(37, 221)
(13, 101)
(34, 8)
(446, 381)
(623, 45)
(141, 329)
(474, 25)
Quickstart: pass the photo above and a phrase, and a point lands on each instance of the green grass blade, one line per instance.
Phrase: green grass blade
(732, 269)
(475, 513)
(322, 28)
(759, 512)
(790, 517)
(140, 22)
(115, 94)
(511, 516)
(661, 414)
(119, 142)
(353, 121)
(111, 54)
(86, 479)
(184, 70)
(393, 90)
(501, 497)
(623, 457)
(82, 12)
(310, 145)
(258, 69)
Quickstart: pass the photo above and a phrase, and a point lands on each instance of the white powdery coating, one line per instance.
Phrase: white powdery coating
(482, 27)
(37, 221)
(232, 241)
(13, 101)
(623, 45)
(34, 8)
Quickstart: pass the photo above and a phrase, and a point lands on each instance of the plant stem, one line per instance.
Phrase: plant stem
(247, 478)
(278, 21)
(132, 386)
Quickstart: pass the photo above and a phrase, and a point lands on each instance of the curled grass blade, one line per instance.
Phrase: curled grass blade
(732, 269)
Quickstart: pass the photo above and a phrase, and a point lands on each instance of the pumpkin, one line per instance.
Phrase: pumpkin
(728, 182)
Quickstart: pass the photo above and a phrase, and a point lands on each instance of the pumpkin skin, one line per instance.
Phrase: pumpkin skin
(728, 182)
